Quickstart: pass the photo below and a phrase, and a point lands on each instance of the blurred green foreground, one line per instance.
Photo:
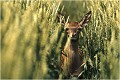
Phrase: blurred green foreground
(32, 39)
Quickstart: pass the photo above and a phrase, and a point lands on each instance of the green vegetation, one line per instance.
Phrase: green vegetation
(32, 39)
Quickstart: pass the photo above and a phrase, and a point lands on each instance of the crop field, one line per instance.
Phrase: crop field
(32, 39)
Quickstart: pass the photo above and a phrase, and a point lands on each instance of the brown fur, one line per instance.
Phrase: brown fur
(71, 57)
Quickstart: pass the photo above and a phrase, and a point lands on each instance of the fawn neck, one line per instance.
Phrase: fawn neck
(74, 46)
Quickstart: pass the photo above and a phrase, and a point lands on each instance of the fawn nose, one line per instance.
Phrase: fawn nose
(74, 34)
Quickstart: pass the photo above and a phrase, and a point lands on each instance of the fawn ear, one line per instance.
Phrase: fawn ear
(85, 19)
(61, 18)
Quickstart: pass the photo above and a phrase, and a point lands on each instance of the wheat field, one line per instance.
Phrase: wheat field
(32, 39)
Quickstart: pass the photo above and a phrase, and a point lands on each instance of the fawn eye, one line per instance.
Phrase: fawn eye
(79, 29)
(67, 29)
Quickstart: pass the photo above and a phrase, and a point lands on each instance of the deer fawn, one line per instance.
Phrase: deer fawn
(71, 57)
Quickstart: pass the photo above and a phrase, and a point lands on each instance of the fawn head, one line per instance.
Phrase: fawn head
(73, 28)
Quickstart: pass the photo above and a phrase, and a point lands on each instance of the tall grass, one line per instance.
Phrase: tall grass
(29, 32)
(32, 39)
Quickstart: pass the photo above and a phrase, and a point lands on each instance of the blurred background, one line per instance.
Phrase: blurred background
(32, 39)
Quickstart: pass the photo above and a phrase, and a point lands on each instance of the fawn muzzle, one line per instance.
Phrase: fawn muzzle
(74, 37)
